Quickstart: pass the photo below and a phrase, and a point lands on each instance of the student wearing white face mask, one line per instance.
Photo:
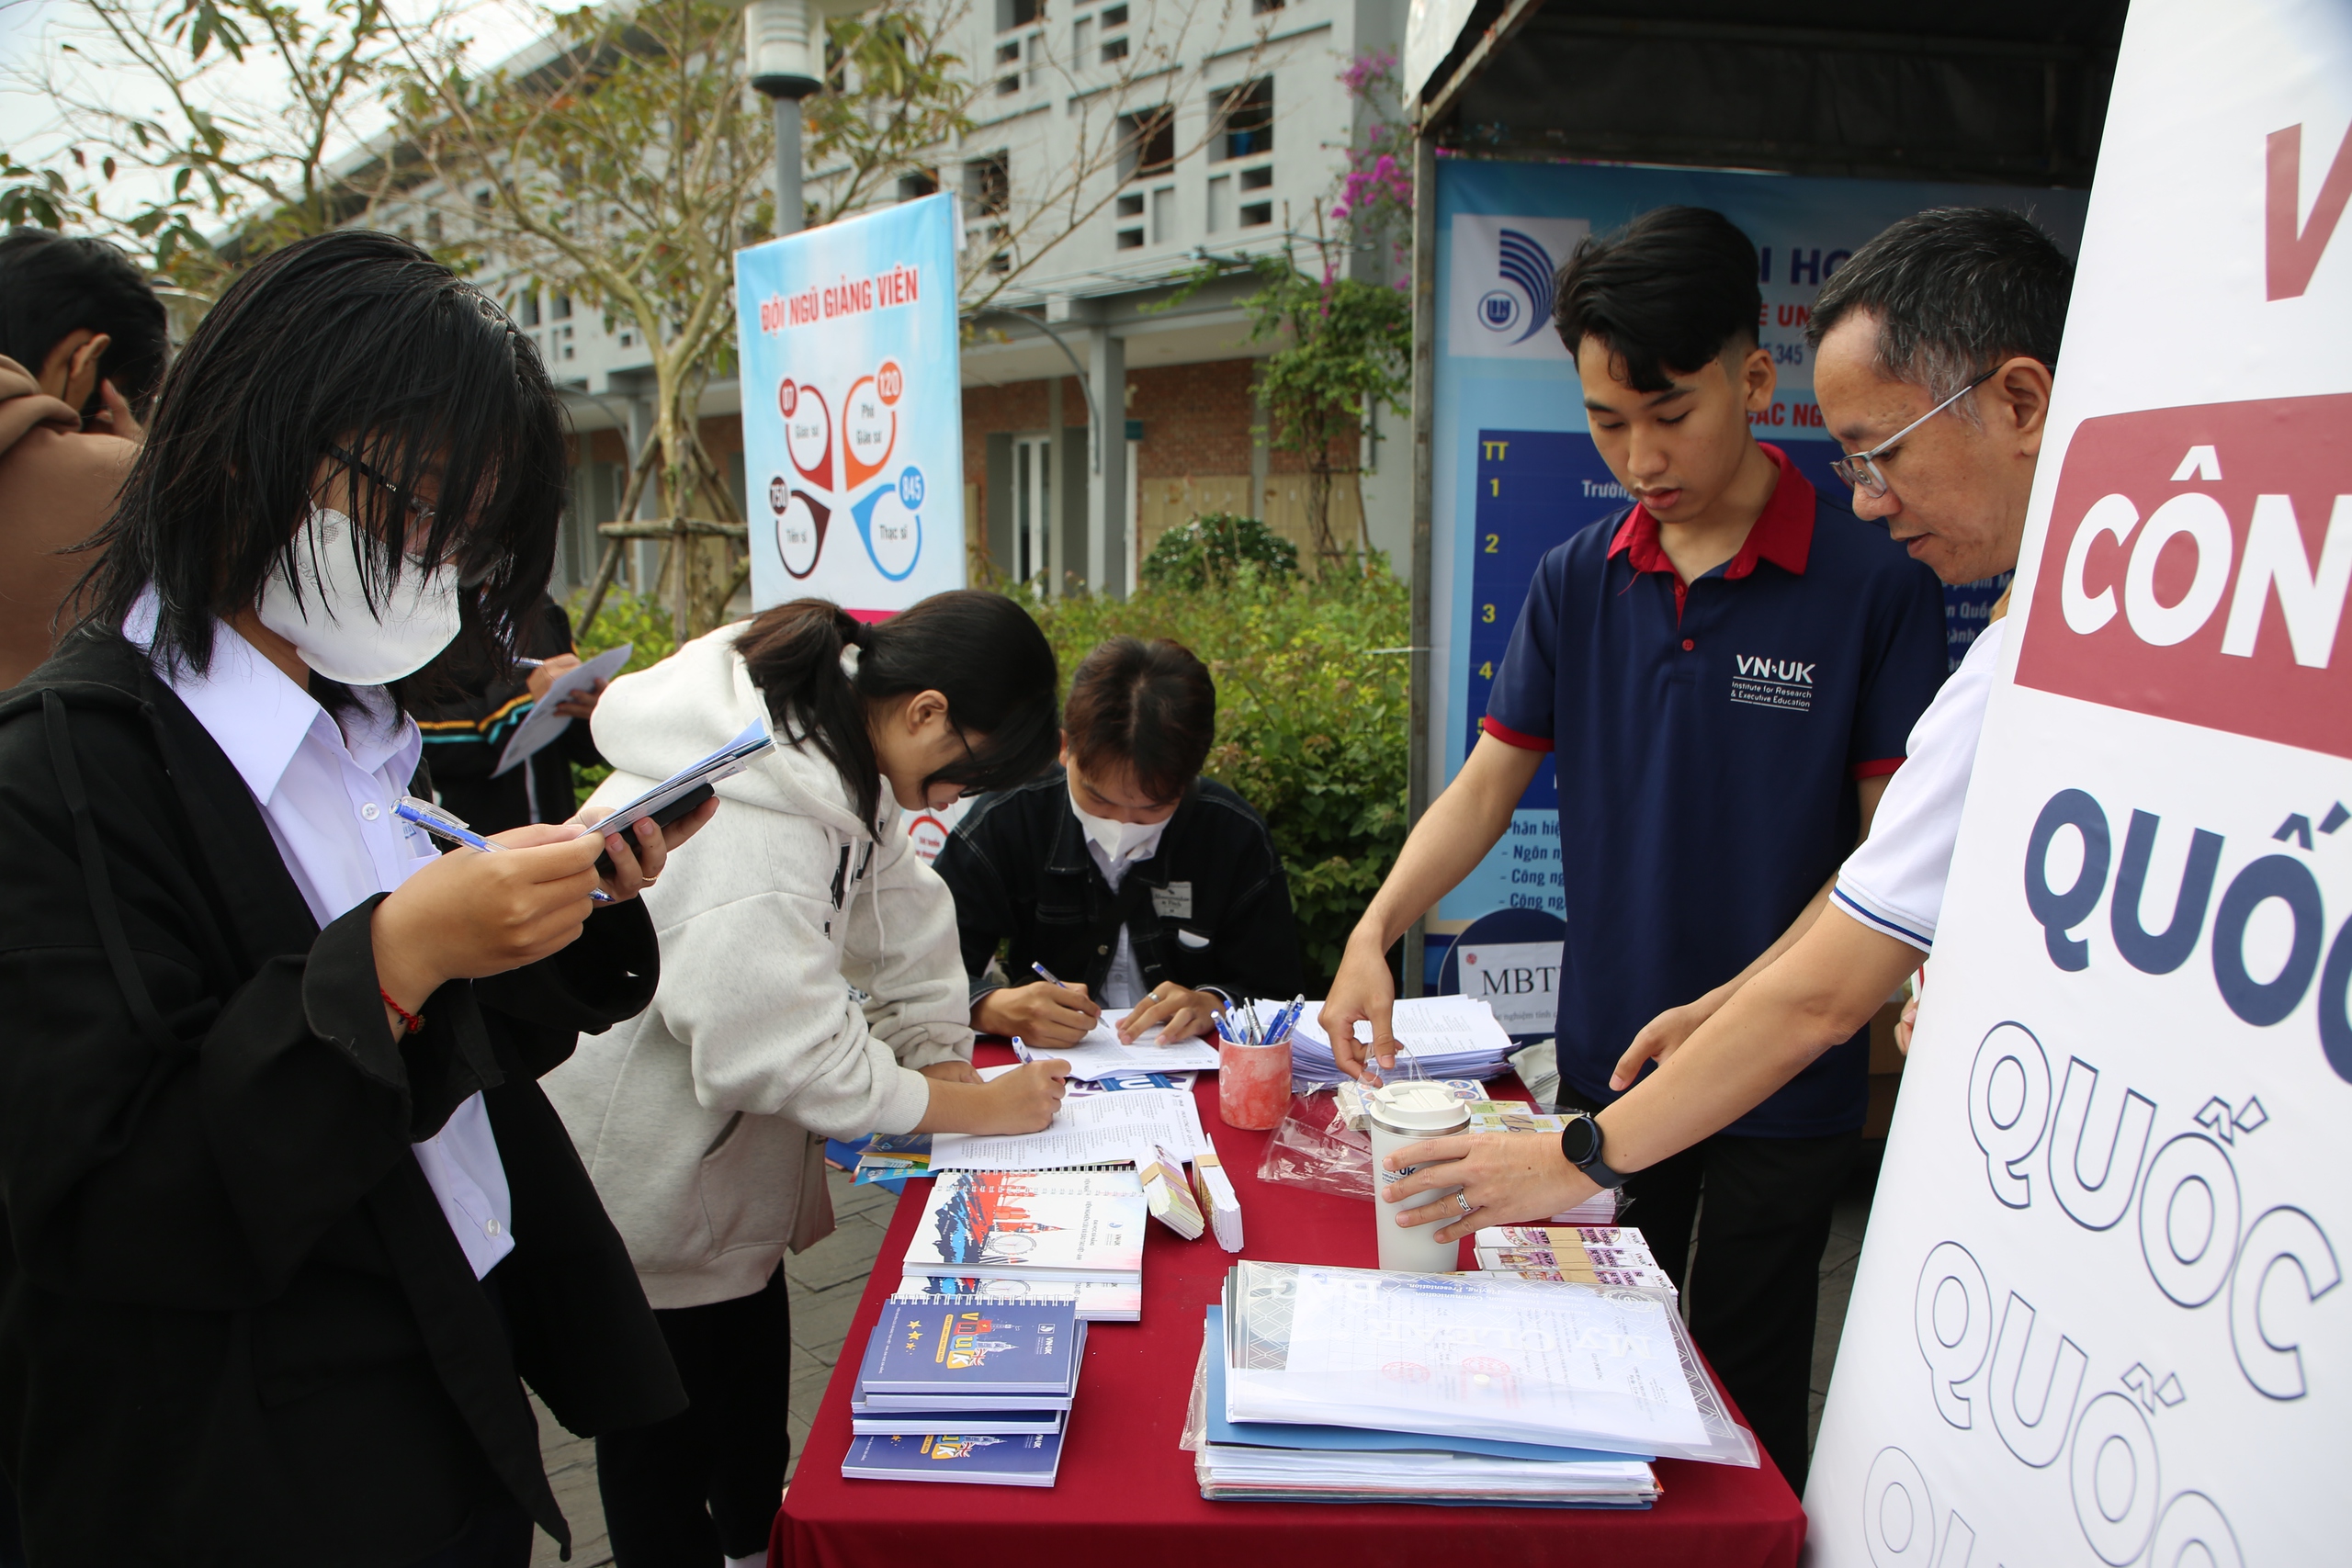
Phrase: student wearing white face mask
(1135, 881)
(291, 1220)
(811, 988)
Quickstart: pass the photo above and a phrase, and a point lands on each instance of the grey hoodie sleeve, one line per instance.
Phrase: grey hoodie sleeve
(902, 952)
(752, 985)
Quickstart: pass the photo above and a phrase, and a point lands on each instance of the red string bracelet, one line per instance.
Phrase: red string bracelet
(409, 1023)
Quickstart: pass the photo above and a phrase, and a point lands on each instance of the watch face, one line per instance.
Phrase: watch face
(1580, 1140)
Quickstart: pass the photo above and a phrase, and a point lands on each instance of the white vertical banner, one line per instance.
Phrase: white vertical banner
(853, 409)
(2100, 1315)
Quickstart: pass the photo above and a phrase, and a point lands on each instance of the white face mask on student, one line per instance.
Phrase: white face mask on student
(332, 625)
(1120, 841)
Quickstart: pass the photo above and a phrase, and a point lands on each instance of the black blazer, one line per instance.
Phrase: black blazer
(234, 1328)
(1210, 908)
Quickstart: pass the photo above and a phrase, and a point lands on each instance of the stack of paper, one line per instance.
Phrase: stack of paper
(1091, 1130)
(1296, 1462)
(1590, 1255)
(1039, 1227)
(1099, 1055)
(1218, 1199)
(1440, 1037)
(975, 1393)
(1502, 1360)
(1167, 1195)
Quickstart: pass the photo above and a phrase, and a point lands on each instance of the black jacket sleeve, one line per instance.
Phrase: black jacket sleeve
(177, 1129)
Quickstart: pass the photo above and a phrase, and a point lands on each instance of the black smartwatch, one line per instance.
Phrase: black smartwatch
(1580, 1146)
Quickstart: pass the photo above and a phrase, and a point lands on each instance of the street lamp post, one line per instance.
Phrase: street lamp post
(784, 67)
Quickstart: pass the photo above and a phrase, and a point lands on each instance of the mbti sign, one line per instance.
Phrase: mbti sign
(2197, 570)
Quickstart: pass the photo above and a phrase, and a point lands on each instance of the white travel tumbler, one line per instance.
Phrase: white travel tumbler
(1402, 1113)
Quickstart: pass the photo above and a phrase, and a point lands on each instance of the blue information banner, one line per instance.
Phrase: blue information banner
(853, 409)
(1516, 471)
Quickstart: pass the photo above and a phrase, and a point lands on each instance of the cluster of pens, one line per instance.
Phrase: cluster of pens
(1254, 1062)
(1240, 1026)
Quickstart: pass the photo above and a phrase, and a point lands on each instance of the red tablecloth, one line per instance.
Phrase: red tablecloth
(1126, 1496)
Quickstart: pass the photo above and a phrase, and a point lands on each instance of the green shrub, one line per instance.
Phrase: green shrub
(637, 619)
(1213, 547)
(1311, 719)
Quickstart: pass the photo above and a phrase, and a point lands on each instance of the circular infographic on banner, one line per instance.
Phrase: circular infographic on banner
(871, 427)
(800, 532)
(807, 431)
(893, 530)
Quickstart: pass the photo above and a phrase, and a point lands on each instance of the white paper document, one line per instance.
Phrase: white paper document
(1506, 1360)
(1099, 1054)
(1099, 1129)
(543, 724)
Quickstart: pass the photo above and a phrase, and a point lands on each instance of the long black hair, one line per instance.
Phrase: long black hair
(981, 651)
(352, 350)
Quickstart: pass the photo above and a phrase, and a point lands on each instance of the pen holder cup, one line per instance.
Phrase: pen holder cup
(1252, 1083)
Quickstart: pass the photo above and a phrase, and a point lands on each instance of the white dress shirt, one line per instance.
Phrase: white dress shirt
(327, 792)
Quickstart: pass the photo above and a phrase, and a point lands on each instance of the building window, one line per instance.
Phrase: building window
(995, 240)
(1258, 178)
(1113, 16)
(1008, 86)
(1011, 14)
(1130, 239)
(1131, 204)
(1130, 209)
(1163, 215)
(1008, 53)
(1081, 37)
(921, 184)
(1254, 213)
(562, 311)
(1220, 214)
(1260, 8)
(1247, 114)
(1115, 49)
(564, 337)
(987, 183)
(1147, 143)
(530, 304)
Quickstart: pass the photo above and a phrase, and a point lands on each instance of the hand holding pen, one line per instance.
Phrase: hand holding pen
(1051, 1014)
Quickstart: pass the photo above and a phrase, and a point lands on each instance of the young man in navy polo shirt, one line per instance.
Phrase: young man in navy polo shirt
(1725, 673)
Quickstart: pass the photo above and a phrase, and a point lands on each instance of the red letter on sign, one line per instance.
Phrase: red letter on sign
(2291, 249)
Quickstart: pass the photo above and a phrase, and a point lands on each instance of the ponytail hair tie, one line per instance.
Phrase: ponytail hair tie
(850, 656)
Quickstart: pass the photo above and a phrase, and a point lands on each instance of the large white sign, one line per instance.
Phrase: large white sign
(2100, 1314)
(852, 413)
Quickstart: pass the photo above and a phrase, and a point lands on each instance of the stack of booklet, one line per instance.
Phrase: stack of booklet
(1586, 1255)
(1443, 1359)
(978, 1392)
(1437, 1037)
(1074, 1232)
(1292, 1461)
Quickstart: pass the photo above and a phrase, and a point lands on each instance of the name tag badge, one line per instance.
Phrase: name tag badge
(1173, 902)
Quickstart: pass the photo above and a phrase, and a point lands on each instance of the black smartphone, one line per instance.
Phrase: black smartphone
(661, 817)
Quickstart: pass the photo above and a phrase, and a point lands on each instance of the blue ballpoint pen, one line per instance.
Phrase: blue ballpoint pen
(443, 824)
(1049, 975)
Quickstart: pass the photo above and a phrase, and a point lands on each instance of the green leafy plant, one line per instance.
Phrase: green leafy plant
(1211, 547)
(1312, 704)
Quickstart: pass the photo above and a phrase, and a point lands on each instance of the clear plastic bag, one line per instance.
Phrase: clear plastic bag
(1313, 1148)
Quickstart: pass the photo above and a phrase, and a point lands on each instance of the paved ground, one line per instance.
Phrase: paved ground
(828, 1279)
(825, 1283)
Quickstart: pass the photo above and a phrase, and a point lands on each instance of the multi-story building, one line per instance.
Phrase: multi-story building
(1116, 144)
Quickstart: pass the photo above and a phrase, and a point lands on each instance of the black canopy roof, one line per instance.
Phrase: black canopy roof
(2012, 91)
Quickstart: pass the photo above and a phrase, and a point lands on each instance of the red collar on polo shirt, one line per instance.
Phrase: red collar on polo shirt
(1781, 534)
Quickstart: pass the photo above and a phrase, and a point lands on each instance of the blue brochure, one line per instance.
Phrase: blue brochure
(976, 1348)
(983, 1460)
(1291, 1435)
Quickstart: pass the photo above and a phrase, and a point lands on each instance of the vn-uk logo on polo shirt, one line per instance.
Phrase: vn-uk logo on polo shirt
(2197, 568)
(1784, 683)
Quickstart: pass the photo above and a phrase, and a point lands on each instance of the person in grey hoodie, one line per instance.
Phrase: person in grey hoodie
(812, 985)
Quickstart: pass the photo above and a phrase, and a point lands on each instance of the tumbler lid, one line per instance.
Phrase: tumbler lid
(1417, 1105)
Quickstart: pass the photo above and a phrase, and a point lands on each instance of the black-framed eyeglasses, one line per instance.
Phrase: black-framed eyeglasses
(421, 512)
(1861, 471)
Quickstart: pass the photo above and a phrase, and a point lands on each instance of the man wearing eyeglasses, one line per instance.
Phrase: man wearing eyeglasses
(1934, 348)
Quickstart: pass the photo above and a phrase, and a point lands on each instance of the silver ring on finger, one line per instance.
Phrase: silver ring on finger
(1462, 1202)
